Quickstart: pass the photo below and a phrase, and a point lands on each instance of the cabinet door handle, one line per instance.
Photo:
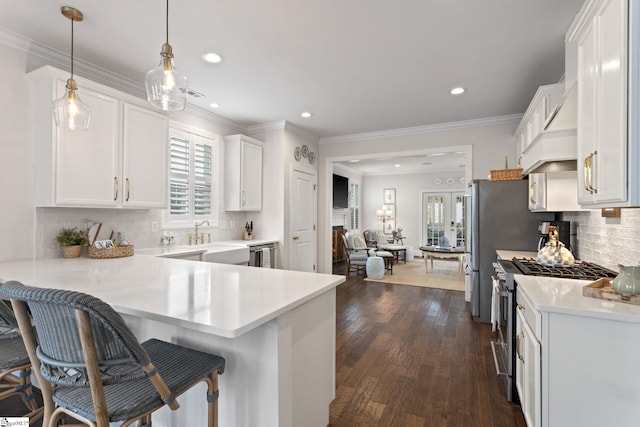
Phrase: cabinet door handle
(244, 198)
(115, 186)
(588, 173)
(518, 338)
(520, 307)
(128, 189)
(532, 192)
(592, 168)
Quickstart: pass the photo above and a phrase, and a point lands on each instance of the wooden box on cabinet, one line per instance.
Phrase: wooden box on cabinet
(338, 247)
(243, 173)
(120, 161)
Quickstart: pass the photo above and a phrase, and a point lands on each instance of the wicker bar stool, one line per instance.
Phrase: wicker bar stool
(80, 344)
(15, 367)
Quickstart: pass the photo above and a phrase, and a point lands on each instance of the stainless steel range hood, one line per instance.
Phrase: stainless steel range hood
(555, 148)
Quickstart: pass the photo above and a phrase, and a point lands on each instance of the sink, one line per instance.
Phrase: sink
(226, 254)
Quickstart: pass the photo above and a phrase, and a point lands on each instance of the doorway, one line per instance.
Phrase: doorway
(304, 212)
(442, 218)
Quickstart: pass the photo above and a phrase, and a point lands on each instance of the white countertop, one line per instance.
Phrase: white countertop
(198, 249)
(565, 296)
(220, 299)
(508, 255)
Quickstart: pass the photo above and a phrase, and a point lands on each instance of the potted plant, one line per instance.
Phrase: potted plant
(71, 241)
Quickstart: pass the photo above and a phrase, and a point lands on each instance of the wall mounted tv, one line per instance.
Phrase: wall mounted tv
(340, 192)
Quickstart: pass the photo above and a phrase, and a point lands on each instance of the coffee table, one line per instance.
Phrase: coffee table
(431, 252)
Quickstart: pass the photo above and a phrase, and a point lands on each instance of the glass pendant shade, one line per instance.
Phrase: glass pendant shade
(166, 87)
(69, 111)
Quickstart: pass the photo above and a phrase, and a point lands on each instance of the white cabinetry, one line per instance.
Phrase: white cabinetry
(583, 352)
(528, 363)
(553, 192)
(547, 132)
(121, 161)
(243, 173)
(606, 35)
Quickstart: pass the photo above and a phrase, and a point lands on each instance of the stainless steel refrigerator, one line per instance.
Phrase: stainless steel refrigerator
(499, 219)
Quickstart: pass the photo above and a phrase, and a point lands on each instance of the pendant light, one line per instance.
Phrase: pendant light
(69, 111)
(166, 86)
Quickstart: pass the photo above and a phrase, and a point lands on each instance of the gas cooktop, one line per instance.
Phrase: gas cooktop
(581, 270)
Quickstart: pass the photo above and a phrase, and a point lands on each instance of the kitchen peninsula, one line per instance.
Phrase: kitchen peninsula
(275, 328)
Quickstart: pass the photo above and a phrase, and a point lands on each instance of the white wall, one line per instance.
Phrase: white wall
(408, 188)
(17, 179)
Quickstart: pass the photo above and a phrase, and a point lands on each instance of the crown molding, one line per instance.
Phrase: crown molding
(423, 129)
(280, 125)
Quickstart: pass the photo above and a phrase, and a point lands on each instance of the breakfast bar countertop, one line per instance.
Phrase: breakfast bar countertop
(219, 299)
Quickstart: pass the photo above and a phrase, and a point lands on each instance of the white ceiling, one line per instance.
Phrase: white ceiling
(357, 65)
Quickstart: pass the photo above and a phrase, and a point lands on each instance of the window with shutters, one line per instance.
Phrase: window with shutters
(192, 172)
(354, 206)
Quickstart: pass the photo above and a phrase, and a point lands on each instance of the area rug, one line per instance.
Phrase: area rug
(445, 275)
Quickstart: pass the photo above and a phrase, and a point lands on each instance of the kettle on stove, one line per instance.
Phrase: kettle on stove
(554, 253)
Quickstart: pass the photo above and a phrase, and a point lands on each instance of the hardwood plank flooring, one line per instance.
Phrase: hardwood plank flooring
(412, 356)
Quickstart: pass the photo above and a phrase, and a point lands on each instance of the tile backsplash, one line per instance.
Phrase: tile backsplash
(135, 224)
(610, 242)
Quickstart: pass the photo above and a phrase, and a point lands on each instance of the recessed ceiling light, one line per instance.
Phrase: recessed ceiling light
(306, 114)
(457, 90)
(354, 161)
(214, 105)
(212, 58)
(427, 163)
(397, 166)
(436, 154)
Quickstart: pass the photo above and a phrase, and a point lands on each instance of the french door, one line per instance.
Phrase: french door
(442, 219)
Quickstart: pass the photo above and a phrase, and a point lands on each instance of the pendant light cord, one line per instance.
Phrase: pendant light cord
(72, 47)
(167, 22)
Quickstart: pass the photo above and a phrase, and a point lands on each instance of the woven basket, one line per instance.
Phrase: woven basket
(506, 174)
(117, 252)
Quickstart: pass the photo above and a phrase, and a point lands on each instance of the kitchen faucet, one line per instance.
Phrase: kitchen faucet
(197, 236)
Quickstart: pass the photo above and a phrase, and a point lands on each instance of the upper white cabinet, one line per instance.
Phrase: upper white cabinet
(553, 192)
(243, 173)
(121, 161)
(606, 38)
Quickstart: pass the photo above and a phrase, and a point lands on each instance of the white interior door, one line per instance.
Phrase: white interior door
(302, 255)
(442, 216)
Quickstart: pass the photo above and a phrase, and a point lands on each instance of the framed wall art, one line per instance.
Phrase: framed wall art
(389, 196)
(390, 208)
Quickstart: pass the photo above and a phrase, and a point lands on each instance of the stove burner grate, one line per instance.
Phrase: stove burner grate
(582, 270)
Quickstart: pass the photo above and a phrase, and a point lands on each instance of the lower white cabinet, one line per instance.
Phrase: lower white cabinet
(576, 358)
(528, 362)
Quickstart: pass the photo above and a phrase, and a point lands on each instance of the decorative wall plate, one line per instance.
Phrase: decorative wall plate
(305, 151)
(311, 157)
(437, 181)
(297, 153)
(462, 180)
(450, 181)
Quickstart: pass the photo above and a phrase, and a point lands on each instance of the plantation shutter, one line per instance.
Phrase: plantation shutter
(179, 177)
(202, 166)
(354, 205)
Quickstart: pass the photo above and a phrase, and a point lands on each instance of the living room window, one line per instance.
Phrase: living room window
(354, 206)
(192, 179)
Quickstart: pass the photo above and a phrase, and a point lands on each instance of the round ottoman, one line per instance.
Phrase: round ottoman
(375, 267)
(409, 253)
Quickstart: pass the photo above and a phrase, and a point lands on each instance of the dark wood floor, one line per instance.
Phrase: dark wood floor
(407, 356)
(412, 356)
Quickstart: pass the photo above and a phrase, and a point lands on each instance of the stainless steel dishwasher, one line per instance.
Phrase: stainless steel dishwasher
(262, 255)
